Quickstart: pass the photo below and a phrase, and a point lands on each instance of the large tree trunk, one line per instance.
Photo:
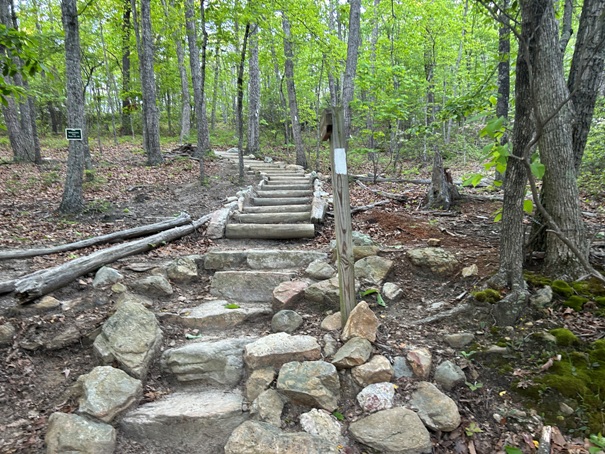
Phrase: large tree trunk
(151, 115)
(301, 158)
(586, 74)
(553, 116)
(254, 95)
(72, 200)
(348, 84)
(442, 192)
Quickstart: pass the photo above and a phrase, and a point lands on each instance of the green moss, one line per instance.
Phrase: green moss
(488, 295)
(564, 337)
(562, 288)
(494, 330)
(568, 386)
(590, 288)
(575, 302)
(536, 280)
(600, 300)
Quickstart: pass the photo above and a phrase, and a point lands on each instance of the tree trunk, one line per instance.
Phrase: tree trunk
(301, 158)
(72, 200)
(126, 100)
(254, 95)
(442, 192)
(239, 105)
(586, 74)
(503, 74)
(215, 91)
(348, 85)
(151, 116)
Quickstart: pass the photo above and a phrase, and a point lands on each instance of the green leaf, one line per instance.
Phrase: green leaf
(473, 180)
(537, 169)
(512, 450)
(338, 415)
(369, 291)
(232, 306)
(192, 336)
(380, 301)
(528, 206)
(498, 216)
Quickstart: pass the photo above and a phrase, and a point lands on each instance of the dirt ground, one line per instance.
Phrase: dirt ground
(53, 347)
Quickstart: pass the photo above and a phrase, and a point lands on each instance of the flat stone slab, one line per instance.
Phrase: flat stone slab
(277, 349)
(69, 433)
(215, 315)
(248, 286)
(262, 259)
(187, 422)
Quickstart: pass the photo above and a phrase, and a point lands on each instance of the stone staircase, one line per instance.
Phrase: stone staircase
(280, 207)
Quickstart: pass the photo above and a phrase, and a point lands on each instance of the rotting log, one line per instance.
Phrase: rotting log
(42, 282)
(364, 207)
(398, 197)
(135, 232)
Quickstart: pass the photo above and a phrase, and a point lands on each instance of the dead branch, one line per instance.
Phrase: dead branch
(136, 232)
(389, 180)
(42, 282)
(398, 197)
(360, 208)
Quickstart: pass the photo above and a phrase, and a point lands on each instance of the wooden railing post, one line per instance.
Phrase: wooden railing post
(332, 127)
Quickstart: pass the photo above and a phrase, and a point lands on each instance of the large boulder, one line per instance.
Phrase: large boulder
(277, 349)
(312, 383)
(255, 437)
(132, 337)
(73, 434)
(217, 363)
(394, 431)
(108, 392)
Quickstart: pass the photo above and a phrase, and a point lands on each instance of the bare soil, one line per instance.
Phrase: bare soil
(38, 371)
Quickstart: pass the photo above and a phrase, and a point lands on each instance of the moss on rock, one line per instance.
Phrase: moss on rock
(575, 302)
(488, 295)
(564, 337)
(562, 288)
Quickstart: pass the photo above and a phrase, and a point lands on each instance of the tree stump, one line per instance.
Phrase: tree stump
(442, 192)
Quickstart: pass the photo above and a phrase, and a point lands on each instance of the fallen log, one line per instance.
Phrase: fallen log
(135, 232)
(42, 282)
(363, 207)
(398, 197)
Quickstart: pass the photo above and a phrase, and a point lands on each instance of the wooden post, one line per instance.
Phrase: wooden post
(332, 127)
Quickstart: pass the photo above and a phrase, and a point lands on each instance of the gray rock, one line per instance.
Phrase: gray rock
(542, 298)
(286, 321)
(268, 407)
(322, 424)
(259, 381)
(133, 297)
(313, 383)
(360, 252)
(288, 294)
(47, 302)
(437, 260)
(362, 322)
(376, 397)
(186, 422)
(459, 340)
(391, 292)
(320, 270)
(68, 336)
(437, 411)
(330, 345)
(277, 349)
(331, 322)
(394, 431)
(255, 437)
(222, 260)
(73, 434)
(282, 259)
(468, 271)
(354, 353)
(217, 315)
(153, 286)
(420, 360)
(106, 276)
(377, 370)
(217, 363)
(183, 269)
(401, 368)
(247, 286)
(7, 332)
(373, 269)
(132, 337)
(108, 392)
(325, 294)
(217, 223)
(449, 375)
(119, 288)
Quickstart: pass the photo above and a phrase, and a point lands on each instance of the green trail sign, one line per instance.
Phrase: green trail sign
(73, 133)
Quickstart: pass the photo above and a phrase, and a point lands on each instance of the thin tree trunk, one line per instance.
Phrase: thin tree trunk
(254, 94)
(503, 74)
(239, 106)
(348, 85)
(301, 158)
(126, 100)
(215, 90)
(72, 200)
(112, 84)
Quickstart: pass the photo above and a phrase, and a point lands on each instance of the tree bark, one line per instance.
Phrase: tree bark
(503, 74)
(301, 158)
(240, 105)
(126, 100)
(254, 94)
(151, 115)
(348, 84)
(72, 200)
(442, 192)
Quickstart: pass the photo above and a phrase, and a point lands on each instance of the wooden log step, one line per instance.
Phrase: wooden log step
(272, 218)
(270, 231)
(288, 179)
(288, 193)
(286, 187)
(277, 209)
(264, 201)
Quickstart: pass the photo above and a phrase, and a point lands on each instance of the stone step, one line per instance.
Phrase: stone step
(270, 231)
(285, 187)
(277, 209)
(186, 422)
(273, 201)
(272, 218)
(247, 286)
(261, 259)
(278, 193)
(216, 315)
